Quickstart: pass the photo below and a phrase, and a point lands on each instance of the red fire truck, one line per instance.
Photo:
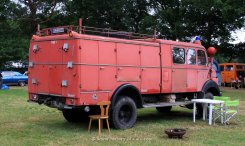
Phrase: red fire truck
(73, 68)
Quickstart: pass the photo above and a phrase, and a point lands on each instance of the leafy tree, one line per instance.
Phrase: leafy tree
(18, 22)
(232, 52)
(95, 13)
(169, 15)
(38, 12)
(135, 12)
(213, 20)
(128, 15)
(13, 41)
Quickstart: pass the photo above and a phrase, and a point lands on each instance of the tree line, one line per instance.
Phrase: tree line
(213, 20)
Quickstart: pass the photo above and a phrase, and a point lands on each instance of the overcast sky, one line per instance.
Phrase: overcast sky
(239, 36)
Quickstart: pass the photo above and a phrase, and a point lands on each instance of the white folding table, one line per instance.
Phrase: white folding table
(205, 103)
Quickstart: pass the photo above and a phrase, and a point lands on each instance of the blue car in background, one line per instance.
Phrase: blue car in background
(14, 78)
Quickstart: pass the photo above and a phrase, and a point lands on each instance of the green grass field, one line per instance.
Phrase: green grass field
(23, 123)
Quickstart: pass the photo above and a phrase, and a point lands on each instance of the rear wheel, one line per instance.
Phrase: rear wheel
(75, 115)
(164, 109)
(124, 113)
(207, 95)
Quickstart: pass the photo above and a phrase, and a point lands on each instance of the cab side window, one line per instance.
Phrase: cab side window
(201, 56)
(191, 57)
(178, 55)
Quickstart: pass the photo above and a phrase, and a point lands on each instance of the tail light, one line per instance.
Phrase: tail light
(34, 97)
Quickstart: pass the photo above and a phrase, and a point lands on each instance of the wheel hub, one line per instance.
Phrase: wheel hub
(125, 114)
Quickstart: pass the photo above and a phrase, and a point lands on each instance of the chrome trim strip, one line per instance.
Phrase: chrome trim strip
(103, 91)
(50, 63)
(132, 66)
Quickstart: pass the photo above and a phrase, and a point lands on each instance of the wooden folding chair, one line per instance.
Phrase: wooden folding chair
(104, 108)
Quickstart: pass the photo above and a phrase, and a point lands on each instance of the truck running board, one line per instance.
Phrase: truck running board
(163, 104)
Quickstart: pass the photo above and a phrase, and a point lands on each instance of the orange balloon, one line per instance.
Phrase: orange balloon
(211, 51)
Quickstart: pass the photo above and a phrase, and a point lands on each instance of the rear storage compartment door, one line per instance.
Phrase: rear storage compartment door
(69, 74)
(40, 72)
(55, 64)
(128, 62)
(47, 69)
(150, 71)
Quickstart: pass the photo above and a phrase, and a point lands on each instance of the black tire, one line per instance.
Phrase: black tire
(124, 113)
(22, 83)
(75, 115)
(165, 109)
(207, 95)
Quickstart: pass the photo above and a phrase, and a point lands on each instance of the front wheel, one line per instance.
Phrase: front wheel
(124, 113)
(207, 95)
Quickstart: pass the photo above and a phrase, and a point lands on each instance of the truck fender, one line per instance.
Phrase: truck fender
(129, 90)
(211, 86)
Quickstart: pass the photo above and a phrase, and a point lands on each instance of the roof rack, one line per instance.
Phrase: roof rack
(106, 32)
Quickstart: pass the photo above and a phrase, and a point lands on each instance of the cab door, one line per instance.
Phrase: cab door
(179, 71)
(203, 69)
(192, 70)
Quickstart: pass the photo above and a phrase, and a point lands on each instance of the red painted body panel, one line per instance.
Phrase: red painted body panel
(179, 78)
(192, 79)
(99, 65)
(202, 77)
